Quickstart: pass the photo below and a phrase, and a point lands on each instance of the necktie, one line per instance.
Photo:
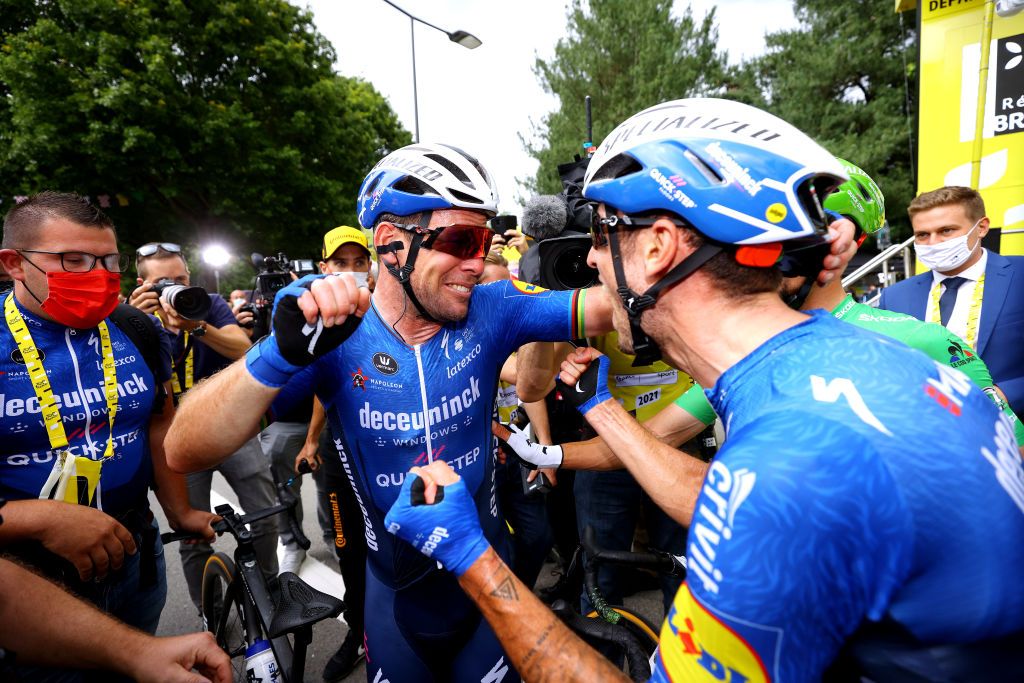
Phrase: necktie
(948, 299)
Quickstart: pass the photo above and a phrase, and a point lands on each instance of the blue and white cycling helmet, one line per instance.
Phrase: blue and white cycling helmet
(735, 173)
(743, 178)
(424, 177)
(418, 179)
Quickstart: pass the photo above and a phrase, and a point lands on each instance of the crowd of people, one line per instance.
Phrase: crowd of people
(852, 521)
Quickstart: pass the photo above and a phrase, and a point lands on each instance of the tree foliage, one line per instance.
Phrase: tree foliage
(843, 77)
(626, 56)
(212, 118)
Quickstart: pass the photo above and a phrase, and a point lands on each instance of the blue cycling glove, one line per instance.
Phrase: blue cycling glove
(293, 343)
(591, 389)
(447, 531)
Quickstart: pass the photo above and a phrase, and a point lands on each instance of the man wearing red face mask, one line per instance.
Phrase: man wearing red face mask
(82, 417)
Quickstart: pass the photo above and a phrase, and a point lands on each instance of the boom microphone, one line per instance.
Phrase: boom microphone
(545, 216)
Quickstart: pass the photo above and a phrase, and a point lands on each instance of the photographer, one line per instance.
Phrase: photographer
(202, 343)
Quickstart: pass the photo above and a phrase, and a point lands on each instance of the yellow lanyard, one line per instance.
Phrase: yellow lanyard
(973, 313)
(189, 370)
(41, 383)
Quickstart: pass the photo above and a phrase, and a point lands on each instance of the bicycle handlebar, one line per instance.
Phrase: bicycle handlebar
(234, 524)
(639, 666)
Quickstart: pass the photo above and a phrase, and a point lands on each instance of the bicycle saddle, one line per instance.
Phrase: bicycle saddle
(300, 604)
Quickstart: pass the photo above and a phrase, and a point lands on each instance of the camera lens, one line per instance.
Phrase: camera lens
(191, 303)
(571, 269)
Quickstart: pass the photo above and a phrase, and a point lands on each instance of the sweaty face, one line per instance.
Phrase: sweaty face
(601, 259)
(444, 283)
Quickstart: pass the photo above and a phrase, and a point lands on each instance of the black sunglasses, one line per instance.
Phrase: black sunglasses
(600, 227)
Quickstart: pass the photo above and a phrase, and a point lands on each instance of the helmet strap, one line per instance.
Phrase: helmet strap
(644, 348)
(404, 274)
(797, 299)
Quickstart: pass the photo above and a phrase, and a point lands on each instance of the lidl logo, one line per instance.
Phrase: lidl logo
(697, 645)
(526, 287)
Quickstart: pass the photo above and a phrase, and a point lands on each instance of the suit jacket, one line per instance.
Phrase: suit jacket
(1001, 328)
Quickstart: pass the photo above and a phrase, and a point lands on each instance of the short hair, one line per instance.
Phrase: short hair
(494, 258)
(970, 199)
(23, 221)
(411, 219)
(158, 255)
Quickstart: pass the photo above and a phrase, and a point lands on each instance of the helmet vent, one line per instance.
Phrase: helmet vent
(411, 185)
(620, 166)
(710, 174)
(462, 196)
(452, 168)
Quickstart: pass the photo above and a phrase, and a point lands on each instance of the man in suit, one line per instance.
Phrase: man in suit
(976, 293)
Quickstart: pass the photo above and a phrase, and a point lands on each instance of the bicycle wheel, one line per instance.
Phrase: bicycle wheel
(645, 632)
(221, 607)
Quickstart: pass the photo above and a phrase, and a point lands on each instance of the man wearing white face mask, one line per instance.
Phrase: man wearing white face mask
(976, 293)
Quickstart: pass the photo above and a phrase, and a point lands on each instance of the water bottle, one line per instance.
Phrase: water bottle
(260, 665)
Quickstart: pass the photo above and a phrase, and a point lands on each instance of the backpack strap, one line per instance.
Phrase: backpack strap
(142, 332)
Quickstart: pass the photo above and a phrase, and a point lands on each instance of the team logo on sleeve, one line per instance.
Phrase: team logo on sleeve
(527, 288)
(958, 355)
(700, 645)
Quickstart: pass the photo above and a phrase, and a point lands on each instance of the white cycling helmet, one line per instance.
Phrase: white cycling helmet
(425, 177)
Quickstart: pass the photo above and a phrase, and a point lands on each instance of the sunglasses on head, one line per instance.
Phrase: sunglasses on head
(461, 241)
(153, 247)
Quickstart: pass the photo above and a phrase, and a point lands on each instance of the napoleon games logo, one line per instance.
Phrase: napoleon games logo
(384, 363)
(958, 355)
(358, 379)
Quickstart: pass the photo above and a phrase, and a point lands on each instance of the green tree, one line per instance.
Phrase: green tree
(212, 118)
(626, 56)
(843, 77)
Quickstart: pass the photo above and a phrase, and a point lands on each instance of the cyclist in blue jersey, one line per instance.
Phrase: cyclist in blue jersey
(856, 469)
(406, 378)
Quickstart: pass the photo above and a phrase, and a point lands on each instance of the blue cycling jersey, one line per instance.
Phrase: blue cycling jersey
(862, 483)
(392, 406)
(72, 360)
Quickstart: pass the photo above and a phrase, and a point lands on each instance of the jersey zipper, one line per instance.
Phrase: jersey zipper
(423, 399)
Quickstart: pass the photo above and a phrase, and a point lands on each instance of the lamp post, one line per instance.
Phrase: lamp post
(216, 256)
(466, 40)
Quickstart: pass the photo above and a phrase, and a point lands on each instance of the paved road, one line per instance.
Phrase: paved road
(321, 570)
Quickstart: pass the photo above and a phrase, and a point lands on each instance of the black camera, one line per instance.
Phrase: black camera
(191, 303)
(563, 259)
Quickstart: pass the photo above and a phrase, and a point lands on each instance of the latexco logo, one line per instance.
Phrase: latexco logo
(385, 363)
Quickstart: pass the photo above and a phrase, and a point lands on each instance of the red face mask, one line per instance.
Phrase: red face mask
(81, 300)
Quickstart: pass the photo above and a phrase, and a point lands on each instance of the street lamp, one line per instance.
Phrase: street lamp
(466, 40)
(216, 256)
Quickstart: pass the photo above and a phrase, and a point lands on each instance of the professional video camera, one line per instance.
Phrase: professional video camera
(272, 274)
(560, 224)
(191, 303)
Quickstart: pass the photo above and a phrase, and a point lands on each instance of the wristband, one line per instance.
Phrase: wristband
(591, 388)
(533, 455)
(266, 364)
(447, 531)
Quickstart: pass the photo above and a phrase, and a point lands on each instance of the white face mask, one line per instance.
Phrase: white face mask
(948, 255)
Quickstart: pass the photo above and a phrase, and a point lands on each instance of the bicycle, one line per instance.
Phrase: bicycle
(238, 605)
(630, 634)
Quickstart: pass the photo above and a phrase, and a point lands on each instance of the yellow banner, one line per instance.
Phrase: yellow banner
(951, 60)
